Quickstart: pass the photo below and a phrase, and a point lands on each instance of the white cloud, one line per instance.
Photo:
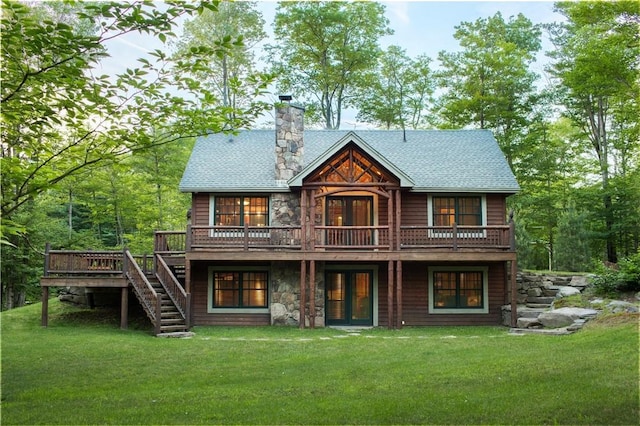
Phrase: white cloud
(398, 10)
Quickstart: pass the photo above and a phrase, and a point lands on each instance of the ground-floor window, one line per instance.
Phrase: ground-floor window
(458, 290)
(238, 289)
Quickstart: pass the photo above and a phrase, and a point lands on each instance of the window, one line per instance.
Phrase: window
(464, 211)
(458, 290)
(235, 289)
(240, 211)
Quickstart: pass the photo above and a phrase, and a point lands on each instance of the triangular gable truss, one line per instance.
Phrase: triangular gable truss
(351, 161)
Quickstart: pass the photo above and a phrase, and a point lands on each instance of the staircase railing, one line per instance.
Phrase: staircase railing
(180, 298)
(144, 291)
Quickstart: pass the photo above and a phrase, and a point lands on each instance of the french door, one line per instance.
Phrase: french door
(349, 211)
(349, 297)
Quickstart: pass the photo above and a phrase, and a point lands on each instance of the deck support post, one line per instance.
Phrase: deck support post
(45, 306)
(312, 293)
(399, 320)
(124, 308)
(303, 293)
(390, 296)
(390, 222)
(312, 220)
(303, 220)
(514, 293)
(398, 205)
(187, 289)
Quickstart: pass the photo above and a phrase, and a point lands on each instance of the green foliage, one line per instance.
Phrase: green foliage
(597, 51)
(488, 83)
(624, 278)
(232, 70)
(398, 94)
(324, 50)
(67, 131)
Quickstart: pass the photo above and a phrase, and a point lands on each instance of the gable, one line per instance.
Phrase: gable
(351, 160)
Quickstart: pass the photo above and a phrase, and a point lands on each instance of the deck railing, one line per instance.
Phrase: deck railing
(352, 237)
(66, 262)
(173, 288)
(170, 242)
(143, 290)
(456, 237)
(498, 237)
(245, 237)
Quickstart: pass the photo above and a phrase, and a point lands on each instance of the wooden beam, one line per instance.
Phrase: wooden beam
(100, 281)
(45, 306)
(303, 219)
(354, 255)
(514, 293)
(312, 221)
(398, 218)
(390, 221)
(124, 308)
(399, 294)
(312, 294)
(390, 295)
(303, 293)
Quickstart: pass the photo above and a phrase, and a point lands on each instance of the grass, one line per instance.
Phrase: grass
(84, 371)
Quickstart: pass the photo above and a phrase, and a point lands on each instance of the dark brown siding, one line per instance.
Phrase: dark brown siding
(414, 209)
(200, 209)
(415, 295)
(200, 288)
(496, 209)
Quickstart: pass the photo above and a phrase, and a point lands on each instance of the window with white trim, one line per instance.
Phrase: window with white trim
(239, 289)
(458, 290)
(238, 211)
(465, 211)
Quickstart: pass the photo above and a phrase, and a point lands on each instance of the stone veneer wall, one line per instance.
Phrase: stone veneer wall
(289, 158)
(285, 295)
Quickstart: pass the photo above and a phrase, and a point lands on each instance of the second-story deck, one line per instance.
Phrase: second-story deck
(352, 242)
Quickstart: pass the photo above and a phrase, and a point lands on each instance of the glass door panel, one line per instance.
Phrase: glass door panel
(349, 298)
(336, 298)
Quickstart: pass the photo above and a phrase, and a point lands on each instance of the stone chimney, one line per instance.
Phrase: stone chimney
(289, 140)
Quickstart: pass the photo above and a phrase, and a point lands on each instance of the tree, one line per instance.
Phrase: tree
(596, 68)
(324, 49)
(488, 83)
(237, 20)
(398, 92)
(61, 120)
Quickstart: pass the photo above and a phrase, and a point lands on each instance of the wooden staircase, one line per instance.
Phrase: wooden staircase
(161, 295)
(171, 321)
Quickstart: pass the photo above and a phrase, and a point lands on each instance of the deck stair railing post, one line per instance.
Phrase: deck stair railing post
(188, 239)
(455, 236)
(175, 291)
(142, 288)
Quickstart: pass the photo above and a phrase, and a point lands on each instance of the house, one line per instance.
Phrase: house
(324, 227)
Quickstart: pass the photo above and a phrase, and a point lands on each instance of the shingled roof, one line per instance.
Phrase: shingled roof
(429, 160)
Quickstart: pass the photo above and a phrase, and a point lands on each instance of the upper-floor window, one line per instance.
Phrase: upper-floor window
(240, 211)
(465, 211)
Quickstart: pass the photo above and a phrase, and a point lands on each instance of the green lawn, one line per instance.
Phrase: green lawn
(84, 371)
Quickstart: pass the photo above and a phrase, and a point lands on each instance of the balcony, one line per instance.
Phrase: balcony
(339, 238)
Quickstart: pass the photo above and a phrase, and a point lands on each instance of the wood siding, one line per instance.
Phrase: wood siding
(415, 297)
(200, 209)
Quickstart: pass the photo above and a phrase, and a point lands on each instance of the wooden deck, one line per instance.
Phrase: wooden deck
(273, 242)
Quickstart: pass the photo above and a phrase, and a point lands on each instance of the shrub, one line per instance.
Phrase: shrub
(626, 278)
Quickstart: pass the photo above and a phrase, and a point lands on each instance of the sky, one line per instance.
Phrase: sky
(420, 27)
